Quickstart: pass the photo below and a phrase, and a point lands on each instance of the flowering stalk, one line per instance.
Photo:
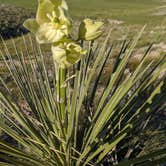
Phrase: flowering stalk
(52, 26)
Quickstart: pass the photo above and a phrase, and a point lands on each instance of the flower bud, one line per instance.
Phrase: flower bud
(90, 30)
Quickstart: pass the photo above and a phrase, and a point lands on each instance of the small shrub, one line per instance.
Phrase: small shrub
(11, 20)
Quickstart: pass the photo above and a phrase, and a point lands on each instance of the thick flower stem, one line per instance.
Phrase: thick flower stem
(61, 92)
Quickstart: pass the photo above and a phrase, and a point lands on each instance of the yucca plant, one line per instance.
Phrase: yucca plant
(68, 119)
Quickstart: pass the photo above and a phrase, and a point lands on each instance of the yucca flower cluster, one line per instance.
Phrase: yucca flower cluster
(53, 26)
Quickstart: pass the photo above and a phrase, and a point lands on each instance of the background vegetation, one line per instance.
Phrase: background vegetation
(130, 11)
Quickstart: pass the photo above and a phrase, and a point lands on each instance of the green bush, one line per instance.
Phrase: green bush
(44, 139)
(66, 118)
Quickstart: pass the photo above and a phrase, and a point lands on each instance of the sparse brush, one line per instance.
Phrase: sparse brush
(11, 20)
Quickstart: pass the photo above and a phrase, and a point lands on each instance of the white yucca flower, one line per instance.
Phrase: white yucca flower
(52, 22)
